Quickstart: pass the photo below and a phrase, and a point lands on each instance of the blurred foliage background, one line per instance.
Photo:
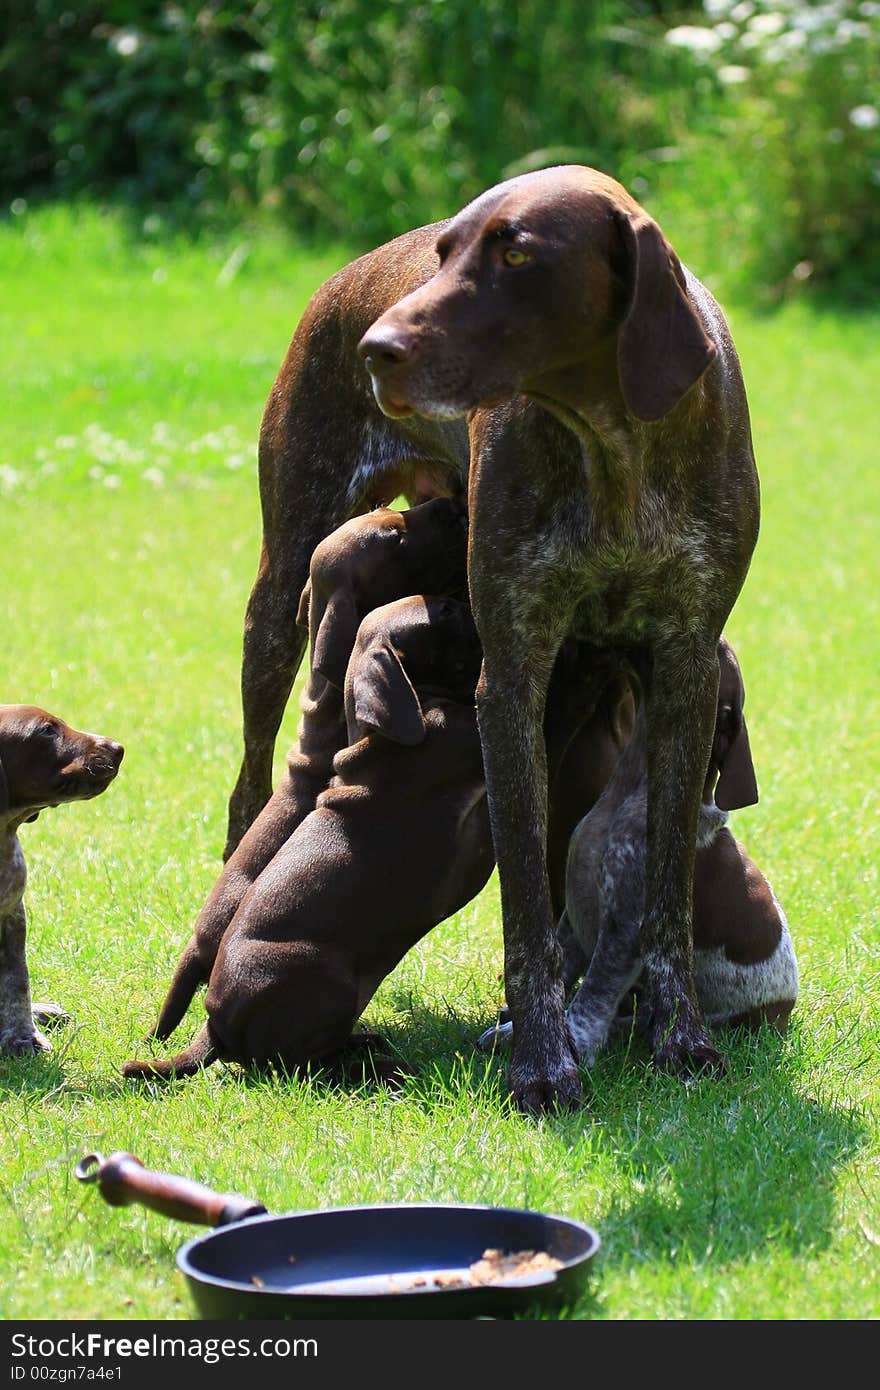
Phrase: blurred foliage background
(758, 122)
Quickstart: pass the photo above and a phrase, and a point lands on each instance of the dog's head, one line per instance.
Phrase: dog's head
(44, 762)
(556, 284)
(731, 778)
(416, 645)
(372, 560)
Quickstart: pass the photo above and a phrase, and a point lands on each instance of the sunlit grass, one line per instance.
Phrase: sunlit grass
(126, 566)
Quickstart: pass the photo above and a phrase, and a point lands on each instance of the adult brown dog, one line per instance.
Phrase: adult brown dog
(43, 762)
(549, 340)
(398, 842)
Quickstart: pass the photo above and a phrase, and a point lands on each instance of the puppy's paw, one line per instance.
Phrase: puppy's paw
(47, 1014)
(499, 1036)
(365, 1041)
(362, 1062)
(391, 1071)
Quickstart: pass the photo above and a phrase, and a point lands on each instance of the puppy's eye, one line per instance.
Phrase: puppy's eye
(728, 720)
(514, 257)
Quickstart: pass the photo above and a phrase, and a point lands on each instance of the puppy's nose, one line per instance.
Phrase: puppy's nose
(383, 347)
(115, 752)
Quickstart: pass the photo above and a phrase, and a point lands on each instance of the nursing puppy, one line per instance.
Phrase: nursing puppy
(363, 564)
(43, 763)
(398, 842)
(744, 962)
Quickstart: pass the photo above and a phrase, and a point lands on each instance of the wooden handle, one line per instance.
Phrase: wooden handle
(123, 1180)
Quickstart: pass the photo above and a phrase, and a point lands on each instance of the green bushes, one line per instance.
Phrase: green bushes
(798, 136)
(358, 120)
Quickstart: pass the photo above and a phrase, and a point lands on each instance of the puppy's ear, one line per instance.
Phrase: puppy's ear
(381, 699)
(333, 633)
(662, 348)
(731, 751)
(737, 785)
(305, 599)
(4, 791)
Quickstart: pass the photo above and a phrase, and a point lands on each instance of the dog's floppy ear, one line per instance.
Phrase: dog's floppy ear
(305, 599)
(731, 752)
(662, 348)
(333, 633)
(737, 784)
(381, 699)
(4, 790)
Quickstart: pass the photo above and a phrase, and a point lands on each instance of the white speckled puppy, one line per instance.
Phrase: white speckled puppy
(43, 762)
(745, 970)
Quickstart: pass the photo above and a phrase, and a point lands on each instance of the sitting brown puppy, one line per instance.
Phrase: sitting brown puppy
(43, 762)
(744, 962)
(398, 842)
(368, 561)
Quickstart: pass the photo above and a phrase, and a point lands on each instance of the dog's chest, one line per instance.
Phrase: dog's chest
(624, 576)
(630, 592)
(13, 873)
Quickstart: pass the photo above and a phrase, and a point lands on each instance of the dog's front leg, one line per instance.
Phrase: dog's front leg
(680, 719)
(19, 1035)
(522, 596)
(543, 1071)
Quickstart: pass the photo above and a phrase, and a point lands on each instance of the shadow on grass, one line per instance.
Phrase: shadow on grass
(717, 1169)
(36, 1076)
(710, 1171)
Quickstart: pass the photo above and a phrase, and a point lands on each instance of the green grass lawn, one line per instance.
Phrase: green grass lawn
(134, 377)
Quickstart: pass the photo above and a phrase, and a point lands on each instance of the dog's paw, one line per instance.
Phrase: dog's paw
(25, 1044)
(362, 1064)
(500, 1036)
(365, 1041)
(537, 1090)
(689, 1056)
(47, 1014)
(390, 1071)
(542, 1095)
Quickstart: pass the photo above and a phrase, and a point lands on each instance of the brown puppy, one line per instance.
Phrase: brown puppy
(398, 842)
(43, 762)
(365, 563)
(548, 341)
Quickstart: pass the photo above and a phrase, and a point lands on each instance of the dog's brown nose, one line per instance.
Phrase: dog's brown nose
(384, 347)
(113, 752)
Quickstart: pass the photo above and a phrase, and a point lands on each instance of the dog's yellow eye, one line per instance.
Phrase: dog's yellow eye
(514, 257)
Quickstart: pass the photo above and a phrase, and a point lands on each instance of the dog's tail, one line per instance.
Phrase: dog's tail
(190, 973)
(201, 1052)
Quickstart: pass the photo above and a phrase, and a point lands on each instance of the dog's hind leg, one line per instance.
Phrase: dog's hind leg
(272, 652)
(305, 494)
(614, 968)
